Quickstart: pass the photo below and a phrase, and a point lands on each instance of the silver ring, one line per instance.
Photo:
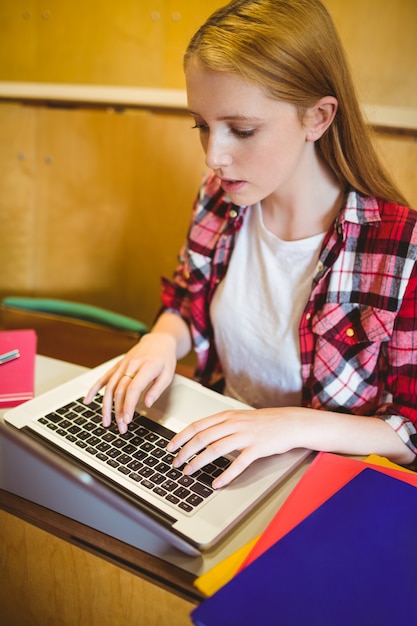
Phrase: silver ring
(129, 376)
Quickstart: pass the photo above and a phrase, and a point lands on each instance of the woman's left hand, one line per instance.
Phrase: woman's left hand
(254, 433)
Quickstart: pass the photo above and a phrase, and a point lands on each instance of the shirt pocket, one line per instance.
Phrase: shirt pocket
(351, 324)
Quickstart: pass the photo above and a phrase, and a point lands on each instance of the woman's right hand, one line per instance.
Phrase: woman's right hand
(149, 365)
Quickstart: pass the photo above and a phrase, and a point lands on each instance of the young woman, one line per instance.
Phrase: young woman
(297, 284)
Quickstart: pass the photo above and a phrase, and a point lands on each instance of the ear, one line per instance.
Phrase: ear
(319, 117)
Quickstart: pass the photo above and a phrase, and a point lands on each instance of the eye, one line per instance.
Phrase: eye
(243, 134)
(203, 128)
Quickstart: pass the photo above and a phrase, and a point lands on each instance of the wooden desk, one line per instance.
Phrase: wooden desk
(58, 571)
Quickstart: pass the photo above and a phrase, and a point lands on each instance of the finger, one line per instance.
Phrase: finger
(233, 471)
(129, 389)
(157, 388)
(194, 430)
(150, 377)
(238, 465)
(94, 389)
(108, 396)
(194, 455)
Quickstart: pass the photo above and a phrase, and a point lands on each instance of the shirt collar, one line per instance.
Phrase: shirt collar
(359, 209)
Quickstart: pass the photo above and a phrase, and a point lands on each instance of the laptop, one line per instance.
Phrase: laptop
(133, 472)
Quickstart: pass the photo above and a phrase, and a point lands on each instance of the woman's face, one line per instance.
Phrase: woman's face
(256, 145)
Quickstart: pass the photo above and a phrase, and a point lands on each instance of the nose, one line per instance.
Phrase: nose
(217, 153)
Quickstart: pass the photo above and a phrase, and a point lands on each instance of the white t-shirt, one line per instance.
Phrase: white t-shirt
(256, 311)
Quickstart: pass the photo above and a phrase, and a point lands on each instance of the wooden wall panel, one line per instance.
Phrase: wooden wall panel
(94, 204)
(142, 43)
(17, 197)
(18, 40)
(380, 38)
(128, 42)
(399, 154)
(113, 195)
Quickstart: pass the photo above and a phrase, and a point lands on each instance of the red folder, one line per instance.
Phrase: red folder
(326, 475)
(17, 377)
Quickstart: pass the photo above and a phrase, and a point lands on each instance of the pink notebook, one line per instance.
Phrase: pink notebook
(17, 377)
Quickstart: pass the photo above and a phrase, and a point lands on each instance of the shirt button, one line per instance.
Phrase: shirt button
(350, 332)
(233, 213)
(320, 266)
(308, 316)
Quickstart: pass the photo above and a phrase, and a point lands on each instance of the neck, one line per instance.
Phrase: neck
(308, 210)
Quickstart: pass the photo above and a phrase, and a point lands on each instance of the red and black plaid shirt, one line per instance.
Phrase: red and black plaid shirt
(358, 333)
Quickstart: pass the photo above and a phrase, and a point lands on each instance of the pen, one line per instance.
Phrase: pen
(9, 356)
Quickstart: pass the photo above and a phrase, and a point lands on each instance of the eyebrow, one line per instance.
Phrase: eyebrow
(231, 118)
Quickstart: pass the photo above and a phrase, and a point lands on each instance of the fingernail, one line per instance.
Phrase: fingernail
(122, 428)
(149, 400)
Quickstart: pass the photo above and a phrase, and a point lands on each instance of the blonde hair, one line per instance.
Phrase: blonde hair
(292, 50)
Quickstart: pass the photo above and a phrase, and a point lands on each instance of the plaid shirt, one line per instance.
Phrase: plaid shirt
(358, 333)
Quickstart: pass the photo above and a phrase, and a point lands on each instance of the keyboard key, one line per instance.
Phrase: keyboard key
(181, 492)
(124, 459)
(174, 474)
(118, 443)
(169, 485)
(158, 452)
(194, 500)
(157, 478)
(150, 461)
(186, 481)
(185, 507)
(151, 437)
(162, 467)
(145, 472)
(140, 454)
(202, 490)
(113, 453)
(135, 465)
(222, 462)
(204, 478)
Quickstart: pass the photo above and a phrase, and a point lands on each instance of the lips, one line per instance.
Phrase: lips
(232, 186)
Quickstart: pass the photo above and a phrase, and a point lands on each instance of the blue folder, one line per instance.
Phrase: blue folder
(352, 562)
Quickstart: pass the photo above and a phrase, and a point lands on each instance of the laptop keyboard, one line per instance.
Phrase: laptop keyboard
(139, 455)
